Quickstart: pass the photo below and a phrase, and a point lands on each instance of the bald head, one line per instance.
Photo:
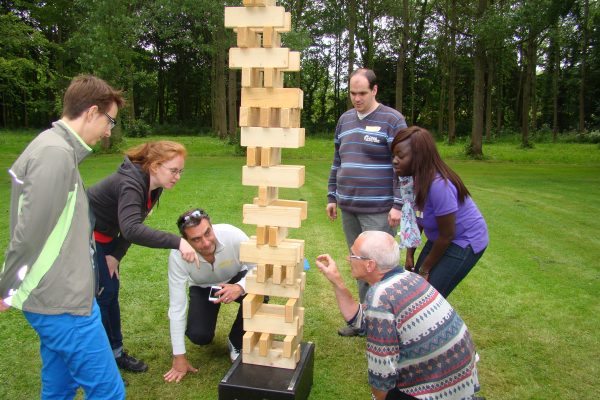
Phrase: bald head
(379, 247)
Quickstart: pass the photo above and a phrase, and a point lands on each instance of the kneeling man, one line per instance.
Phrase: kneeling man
(218, 248)
(417, 345)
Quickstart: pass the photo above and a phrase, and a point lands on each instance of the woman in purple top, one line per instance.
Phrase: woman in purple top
(456, 232)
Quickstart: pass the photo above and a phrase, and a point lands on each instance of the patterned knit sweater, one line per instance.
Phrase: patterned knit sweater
(416, 341)
(362, 178)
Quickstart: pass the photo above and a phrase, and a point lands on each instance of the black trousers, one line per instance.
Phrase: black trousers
(202, 317)
(395, 394)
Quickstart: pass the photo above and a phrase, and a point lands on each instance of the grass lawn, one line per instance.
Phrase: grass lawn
(531, 303)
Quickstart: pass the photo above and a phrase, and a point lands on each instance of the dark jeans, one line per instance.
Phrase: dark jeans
(202, 317)
(451, 268)
(108, 297)
(395, 394)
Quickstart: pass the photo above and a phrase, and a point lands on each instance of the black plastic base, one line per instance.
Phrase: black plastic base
(257, 382)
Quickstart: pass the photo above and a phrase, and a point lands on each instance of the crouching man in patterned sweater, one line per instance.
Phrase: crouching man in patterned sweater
(417, 345)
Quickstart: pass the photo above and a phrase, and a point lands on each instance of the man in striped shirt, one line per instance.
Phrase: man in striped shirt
(362, 181)
(417, 345)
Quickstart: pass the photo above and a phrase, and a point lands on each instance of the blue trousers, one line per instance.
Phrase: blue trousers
(108, 298)
(75, 353)
(451, 268)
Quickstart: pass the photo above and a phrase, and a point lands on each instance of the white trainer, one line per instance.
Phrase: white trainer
(233, 352)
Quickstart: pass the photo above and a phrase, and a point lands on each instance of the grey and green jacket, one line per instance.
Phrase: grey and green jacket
(49, 268)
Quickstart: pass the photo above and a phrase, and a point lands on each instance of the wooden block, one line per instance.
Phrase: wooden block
(270, 156)
(277, 275)
(251, 77)
(274, 357)
(286, 176)
(290, 118)
(252, 303)
(288, 252)
(271, 216)
(259, 3)
(290, 343)
(252, 156)
(293, 62)
(269, 288)
(302, 205)
(249, 341)
(255, 17)
(290, 308)
(291, 273)
(287, 23)
(272, 78)
(272, 97)
(247, 37)
(264, 344)
(266, 195)
(276, 57)
(270, 37)
(248, 116)
(261, 273)
(277, 234)
(270, 319)
(288, 138)
(269, 117)
(262, 235)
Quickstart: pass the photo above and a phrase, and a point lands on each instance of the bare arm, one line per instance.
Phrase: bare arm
(446, 227)
(348, 307)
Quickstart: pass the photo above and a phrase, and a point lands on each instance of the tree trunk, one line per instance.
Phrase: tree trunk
(582, 83)
(401, 63)
(452, 74)
(488, 100)
(351, 40)
(555, 45)
(529, 52)
(232, 116)
(220, 93)
(475, 149)
(161, 89)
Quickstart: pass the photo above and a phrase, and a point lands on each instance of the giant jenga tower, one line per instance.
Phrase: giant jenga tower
(270, 121)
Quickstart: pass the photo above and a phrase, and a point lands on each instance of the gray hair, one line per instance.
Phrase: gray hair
(380, 247)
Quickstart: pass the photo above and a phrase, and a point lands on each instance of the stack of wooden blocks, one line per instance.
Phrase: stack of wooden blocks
(270, 121)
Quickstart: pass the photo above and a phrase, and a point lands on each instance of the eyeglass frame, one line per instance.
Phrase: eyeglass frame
(191, 218)
(354, 256)
(112, 121)
(174, 171)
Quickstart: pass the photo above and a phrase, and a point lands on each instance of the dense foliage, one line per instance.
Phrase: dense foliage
(459, 67)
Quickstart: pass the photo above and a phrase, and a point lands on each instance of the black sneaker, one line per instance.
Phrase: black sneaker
(130, 363)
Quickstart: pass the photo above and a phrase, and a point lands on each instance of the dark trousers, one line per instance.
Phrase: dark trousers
(451, 268)
(202, 317)
(395, 394)
(108, 297)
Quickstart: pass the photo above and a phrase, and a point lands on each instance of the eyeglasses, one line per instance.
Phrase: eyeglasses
(112, 121)
(191, 218)
(173, 171)
(358, 257)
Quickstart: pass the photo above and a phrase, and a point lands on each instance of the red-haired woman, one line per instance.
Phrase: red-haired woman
(121, 202)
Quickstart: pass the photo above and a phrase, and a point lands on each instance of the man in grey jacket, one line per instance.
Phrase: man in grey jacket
(48, 271)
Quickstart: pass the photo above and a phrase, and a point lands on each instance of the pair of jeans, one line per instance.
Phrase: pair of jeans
(108, 298)
(75, 353)
(354, 224)
(451, 268)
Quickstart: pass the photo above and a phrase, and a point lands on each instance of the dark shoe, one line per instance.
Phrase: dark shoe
(349, 332)
(129, 363)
